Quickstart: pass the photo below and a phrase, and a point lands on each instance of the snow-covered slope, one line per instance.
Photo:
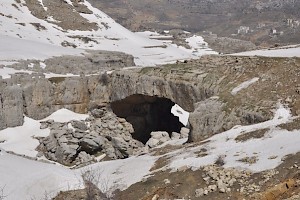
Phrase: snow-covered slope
(27, 179)
(38, 37)
(292, 51)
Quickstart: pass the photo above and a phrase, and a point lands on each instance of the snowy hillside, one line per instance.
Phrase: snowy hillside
(37, 36)
(99, 141)
(36, 179)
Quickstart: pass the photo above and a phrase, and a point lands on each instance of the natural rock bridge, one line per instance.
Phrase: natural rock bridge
(144, 96)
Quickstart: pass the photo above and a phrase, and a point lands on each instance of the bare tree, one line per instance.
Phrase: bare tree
(92, 179)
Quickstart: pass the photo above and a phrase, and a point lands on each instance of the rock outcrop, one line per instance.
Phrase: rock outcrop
(90, 62)
(207, 119)
(11, 106)
(202, 87)
(78, 142)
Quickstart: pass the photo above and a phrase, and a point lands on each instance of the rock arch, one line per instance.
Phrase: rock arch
(147, 114)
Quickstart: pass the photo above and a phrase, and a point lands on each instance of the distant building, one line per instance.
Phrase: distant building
(243, 29)
(293, 23)
(261, 25)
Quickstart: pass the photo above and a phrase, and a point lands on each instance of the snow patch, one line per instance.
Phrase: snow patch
(28, 179)
(120, 174)
(6, 72)
(44, 7)
(183, 115)
(22, 139)
(268, 150)
(7, 63)
(65, 115)
(288, 52)
(243, 85)
(21, 49)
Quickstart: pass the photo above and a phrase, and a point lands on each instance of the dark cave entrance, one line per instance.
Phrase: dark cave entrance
(147, 114)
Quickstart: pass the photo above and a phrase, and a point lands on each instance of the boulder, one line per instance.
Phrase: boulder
(175, 136)
(152, 142)
(184, 132)
(97, 113)
(199, 192)
(79, 125)
(157, 138)
(89, 146)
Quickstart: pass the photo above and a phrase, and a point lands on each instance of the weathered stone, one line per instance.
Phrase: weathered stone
(79, 125)
(205, 192)
(89, 146)
(119, 143)
(11, 107)
(83, 157)
(175, 136)
(206, 120)
(221, 185)
(63, 139)
(100, 140)
(97, 113)
(78, 134)
(184, 132)
(199, 192)
(44, 125)
(152, 142)
(212, 188)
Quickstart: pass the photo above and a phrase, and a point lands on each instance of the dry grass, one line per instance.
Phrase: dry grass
(251, 135)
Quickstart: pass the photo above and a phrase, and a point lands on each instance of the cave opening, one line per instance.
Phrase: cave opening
(147, 114)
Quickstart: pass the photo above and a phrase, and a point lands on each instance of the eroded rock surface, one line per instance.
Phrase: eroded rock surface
(202, 87)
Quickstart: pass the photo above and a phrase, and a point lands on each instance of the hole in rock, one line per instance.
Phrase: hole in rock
(148, 114)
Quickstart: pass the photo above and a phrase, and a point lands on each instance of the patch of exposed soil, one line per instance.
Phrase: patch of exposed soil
(63, 14)
(251, 135)
(295, 124)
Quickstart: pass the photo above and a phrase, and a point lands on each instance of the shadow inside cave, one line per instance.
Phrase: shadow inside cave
(147, 114)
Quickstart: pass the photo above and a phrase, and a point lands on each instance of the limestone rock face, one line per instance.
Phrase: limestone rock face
(202, 87)
(11, 107)
(124, 84)
(72, 94)
(206, 120)
(43, 97)
(93, 62)
(38, 98)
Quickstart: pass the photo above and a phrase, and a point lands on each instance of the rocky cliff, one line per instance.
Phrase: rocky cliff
(217, 90)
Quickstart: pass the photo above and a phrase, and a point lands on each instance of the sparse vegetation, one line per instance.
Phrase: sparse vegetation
(251, 135)
(92, 179)
(220, 160)
(249, 160)
(56, 79)
(104, 78)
